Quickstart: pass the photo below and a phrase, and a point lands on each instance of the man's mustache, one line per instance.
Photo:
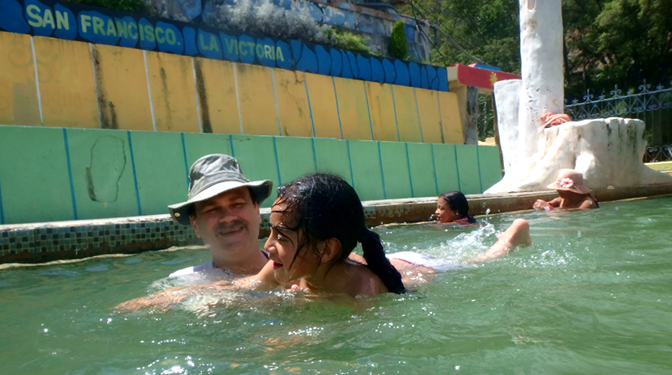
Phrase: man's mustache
(229, 227)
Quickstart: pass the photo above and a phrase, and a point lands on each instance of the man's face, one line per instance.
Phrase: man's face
(228, 221)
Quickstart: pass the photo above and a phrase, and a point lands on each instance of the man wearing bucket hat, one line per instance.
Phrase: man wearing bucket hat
(223, 209)
(573, 193)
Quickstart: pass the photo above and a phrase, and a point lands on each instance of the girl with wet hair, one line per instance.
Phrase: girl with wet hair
(452, 207)
(327, 215)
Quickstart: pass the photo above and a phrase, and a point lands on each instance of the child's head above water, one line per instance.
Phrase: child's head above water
(571, 181)
(573, 193)
(320, 207)
(452, 206)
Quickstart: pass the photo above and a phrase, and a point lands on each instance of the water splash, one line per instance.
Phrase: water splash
(448, 254)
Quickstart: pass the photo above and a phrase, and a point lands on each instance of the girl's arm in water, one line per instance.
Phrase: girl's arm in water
(168, 298)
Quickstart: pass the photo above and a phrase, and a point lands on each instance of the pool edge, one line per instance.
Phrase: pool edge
(60, 240)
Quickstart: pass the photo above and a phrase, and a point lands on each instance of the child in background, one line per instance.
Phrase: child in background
(573, 193)
(452, 207)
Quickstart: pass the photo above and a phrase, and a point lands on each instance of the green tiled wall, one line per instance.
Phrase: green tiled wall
(395, 170)
(491, 169)
(331, 156)
(199, 144)
(445, 165)
(422, 167)
(34, 177)
(256, 155)
(160, 169)
(467, 168)
(366, 170)
(52, 174)
(295, 157)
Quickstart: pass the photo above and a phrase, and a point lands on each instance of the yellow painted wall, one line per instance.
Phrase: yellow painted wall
(381, 107)
(353, 109)
(173, 92)
(220, 108)
(82, 85)
(67, 88)
(18, 92)
(257, 100)
(460, 91)
(430, 119)
(122, 88)
(323, 104)
(407, 114)
(290, 91)
(450, 118)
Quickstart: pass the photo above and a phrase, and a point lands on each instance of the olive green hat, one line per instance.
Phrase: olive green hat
(212, 175)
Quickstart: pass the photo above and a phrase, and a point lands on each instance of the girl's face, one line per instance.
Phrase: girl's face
(443, 213)
(282, 245)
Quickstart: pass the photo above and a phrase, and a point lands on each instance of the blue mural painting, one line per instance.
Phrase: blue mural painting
(104, 26)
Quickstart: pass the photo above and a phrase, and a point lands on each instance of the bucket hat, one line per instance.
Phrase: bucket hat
(570, 180)
(212, 175)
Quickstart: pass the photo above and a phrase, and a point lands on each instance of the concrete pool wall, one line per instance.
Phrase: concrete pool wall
(56, 174)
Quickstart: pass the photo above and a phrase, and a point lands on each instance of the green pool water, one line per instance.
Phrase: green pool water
(593, 296)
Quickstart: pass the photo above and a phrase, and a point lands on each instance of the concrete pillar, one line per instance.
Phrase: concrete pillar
(541, 68)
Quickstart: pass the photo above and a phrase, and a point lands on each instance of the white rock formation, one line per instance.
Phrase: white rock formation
(607, 151)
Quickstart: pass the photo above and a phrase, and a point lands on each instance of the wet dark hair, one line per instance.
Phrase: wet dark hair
(324, 206)
(458, 202)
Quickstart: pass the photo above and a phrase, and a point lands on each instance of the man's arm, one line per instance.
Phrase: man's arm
(168, 298)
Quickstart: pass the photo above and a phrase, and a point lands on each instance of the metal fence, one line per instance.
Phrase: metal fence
(654, 107)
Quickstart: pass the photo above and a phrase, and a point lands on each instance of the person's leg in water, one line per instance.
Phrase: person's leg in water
(517, 235)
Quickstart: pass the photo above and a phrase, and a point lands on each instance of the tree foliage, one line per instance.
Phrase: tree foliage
(398, 45)
(616, 42)
(607, 42)
(487, 29)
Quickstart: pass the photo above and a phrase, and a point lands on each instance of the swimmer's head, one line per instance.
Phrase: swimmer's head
(571, 181)
(452, 206)
(323, 207)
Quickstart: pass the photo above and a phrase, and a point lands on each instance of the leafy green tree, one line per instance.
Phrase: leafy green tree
(487, 29)
(398, 45)
(616, 42)
(607, 42)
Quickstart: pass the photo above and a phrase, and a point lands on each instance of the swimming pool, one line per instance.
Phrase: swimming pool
(593, 296)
